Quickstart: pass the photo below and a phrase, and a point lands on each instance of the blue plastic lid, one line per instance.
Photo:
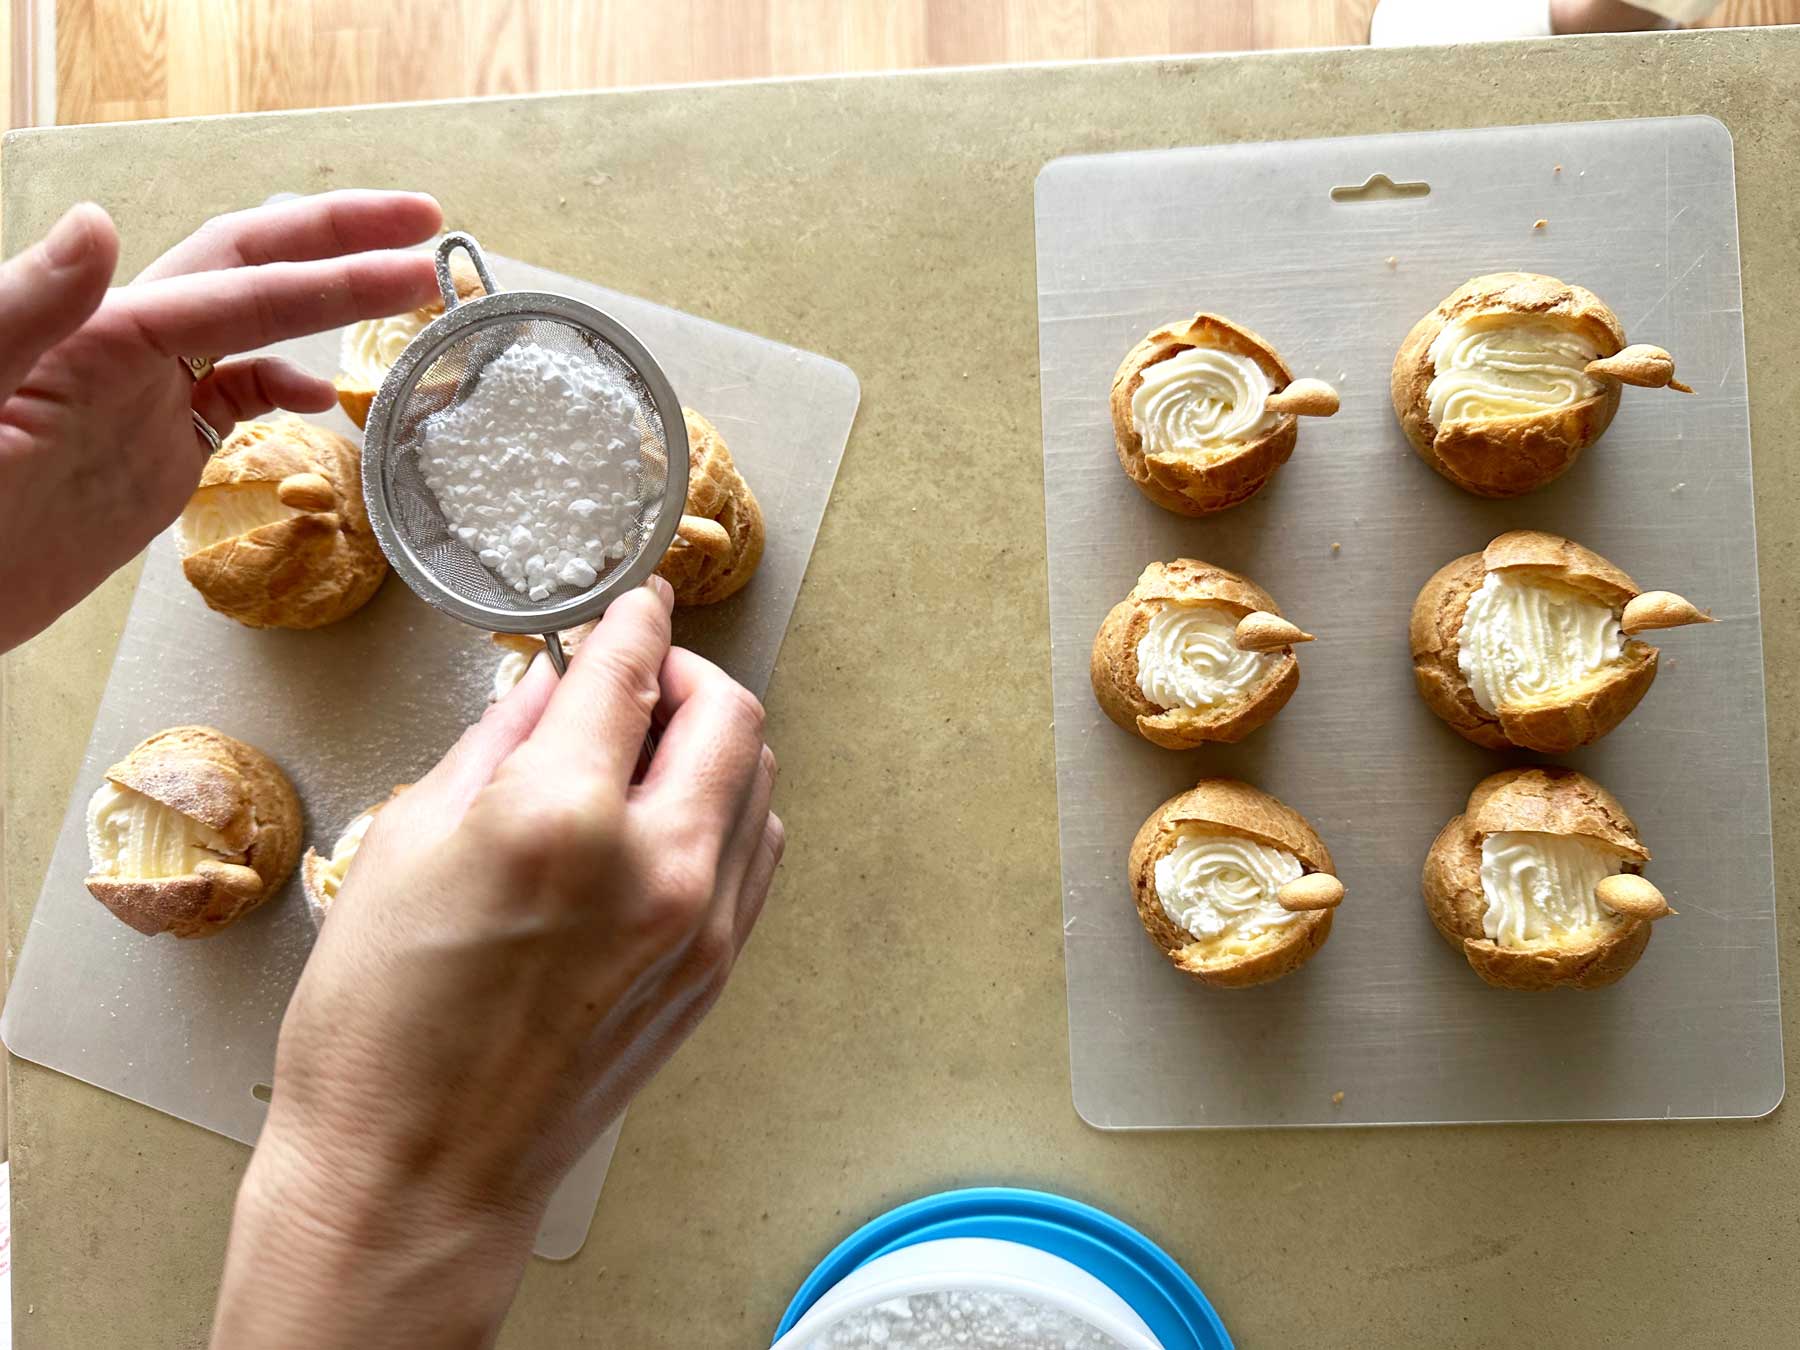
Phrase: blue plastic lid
(1131, 1265)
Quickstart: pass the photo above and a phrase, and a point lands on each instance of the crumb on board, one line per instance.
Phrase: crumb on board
(1337, 1099)
(1539, 223)
(1335, 546)
(1676, 488)
(1393, 261)
(1559, 168)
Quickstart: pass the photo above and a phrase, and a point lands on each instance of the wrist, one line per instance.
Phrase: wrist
(329, 1249)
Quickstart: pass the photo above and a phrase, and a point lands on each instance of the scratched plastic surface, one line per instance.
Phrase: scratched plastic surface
(1644, 213)
(189, 1027)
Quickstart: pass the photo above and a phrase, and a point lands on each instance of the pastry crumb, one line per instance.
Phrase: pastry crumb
(1559, 168)
(1393, 262)
(1337, 1099)
(1335, 546)
(1539, 223)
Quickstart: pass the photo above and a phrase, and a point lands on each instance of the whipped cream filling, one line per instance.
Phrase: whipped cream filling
(1187, 658)
(371, 346)
(137, 838)
(1203, 399)
(1223, 885)
(1539, 888)
(343, 853)
(1503, 365)
(1524, 641)
(215, 514)
(511, 669)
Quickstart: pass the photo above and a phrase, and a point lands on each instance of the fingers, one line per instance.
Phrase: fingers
(747, 832)
(601, 709)
(52, 288)
(759, 876)
(217, 313)
(462, 773)
(243, 390)
(711, 724)
(328, 225)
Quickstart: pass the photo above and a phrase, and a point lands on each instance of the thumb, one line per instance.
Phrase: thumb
(52, 288)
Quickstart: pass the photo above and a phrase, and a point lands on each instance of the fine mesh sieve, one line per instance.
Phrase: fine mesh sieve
(437, 371)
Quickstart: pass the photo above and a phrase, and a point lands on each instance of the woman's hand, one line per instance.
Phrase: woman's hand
(98, 450)
(526, 936)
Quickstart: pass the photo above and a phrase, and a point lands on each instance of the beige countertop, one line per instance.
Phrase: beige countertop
(898, 1024)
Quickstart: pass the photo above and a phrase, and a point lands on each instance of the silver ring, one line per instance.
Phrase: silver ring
(207, 434)
(197, 366)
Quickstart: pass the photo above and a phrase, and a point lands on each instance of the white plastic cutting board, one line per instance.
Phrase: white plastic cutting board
(1644, 213)
(189, 1027)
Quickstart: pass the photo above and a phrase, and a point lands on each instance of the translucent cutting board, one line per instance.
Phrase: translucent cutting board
(1644, 213)
(189, 1027)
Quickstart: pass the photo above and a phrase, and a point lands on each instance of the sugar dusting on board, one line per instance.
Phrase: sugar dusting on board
(959, 1319)
(537, 470)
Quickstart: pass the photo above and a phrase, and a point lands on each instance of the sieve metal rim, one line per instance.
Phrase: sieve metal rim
(459, 321)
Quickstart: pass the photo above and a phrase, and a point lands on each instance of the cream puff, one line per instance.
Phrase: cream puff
(1505, 383)
(1537, 883)
(1533, 643)
(1204, 412)
(1232, 885)
(519, 650)
(720, 539)
(190, 832)
(276, 536)
(321, 877)
(1194, 654)
(370, 347)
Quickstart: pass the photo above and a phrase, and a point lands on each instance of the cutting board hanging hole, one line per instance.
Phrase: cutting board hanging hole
(1379, 188)
(263, 1092)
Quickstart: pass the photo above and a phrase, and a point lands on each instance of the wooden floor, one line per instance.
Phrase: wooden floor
(123, 59)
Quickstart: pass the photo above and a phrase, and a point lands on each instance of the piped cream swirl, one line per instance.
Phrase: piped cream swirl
(134, 837)
(1188, 658)
(1525, 642)
(1501, 365)
(1539, 888)
(1202, 399)
(1223, 885)
(370, 347)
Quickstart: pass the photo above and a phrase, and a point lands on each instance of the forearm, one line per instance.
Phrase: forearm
(320, 1260)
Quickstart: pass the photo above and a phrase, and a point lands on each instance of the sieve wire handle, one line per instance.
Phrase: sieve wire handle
(558, 661)
(446, 283)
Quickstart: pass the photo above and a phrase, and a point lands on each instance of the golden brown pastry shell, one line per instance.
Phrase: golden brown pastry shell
(303, 571)
(1541, 800)
(1112, 665)
(1175, 482)
(229, 787)
(1506, 456)
(354, 395)
(717, 492)
(1227, 806)
(1437, 618)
